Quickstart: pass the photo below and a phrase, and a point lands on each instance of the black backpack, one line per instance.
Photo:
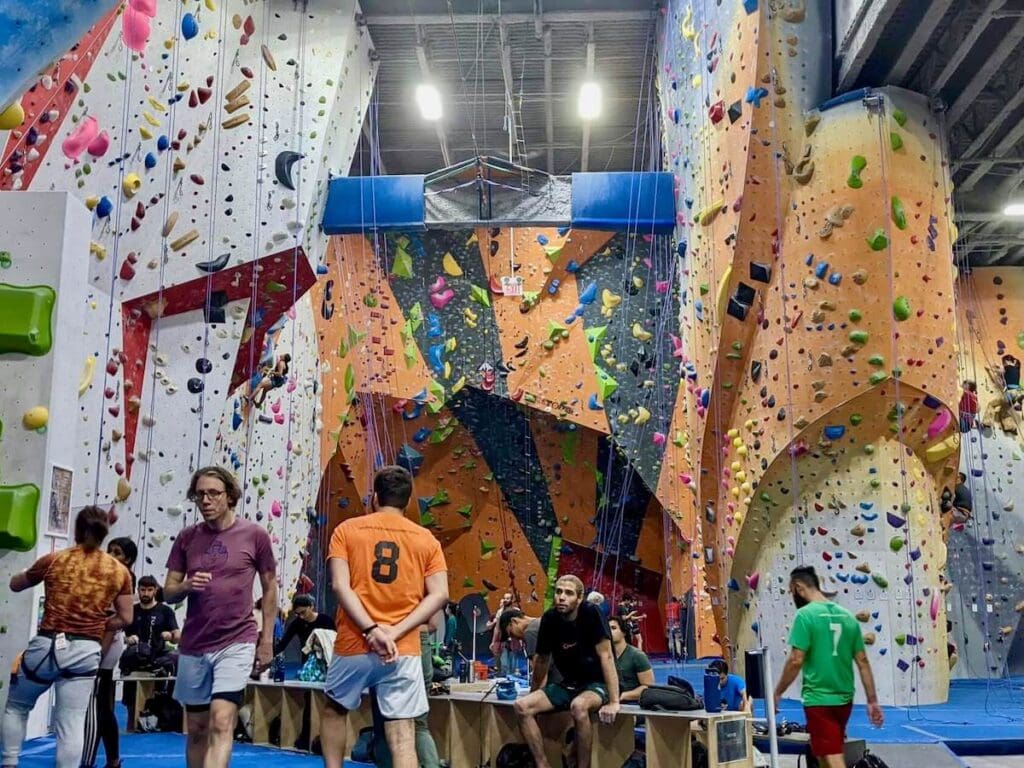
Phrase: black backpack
(870, 761)
(669, 698)
(514, 755)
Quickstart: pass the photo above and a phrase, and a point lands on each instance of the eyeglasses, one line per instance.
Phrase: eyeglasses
(211, 495)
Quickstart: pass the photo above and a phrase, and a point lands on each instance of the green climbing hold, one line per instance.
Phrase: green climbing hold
(467, 583)
(855, 315)
(350, 378)
(570, 442)
(466, 510)
(1020, 340)
(411, 355)
(25, 319)
(878, 241)
(553, 252)
(606, 385)
(5, 259)
(354, 337)
(899, 216)
(900, 117)
(555, 330)
(901, 640)
(275, 287)
(901, 308)
(403, 264)
(857, 165)
(486, 547)
(880, 580)
(877, 360)
(416, 316)
(869, 449)
(427, 520)
(856, 418)
(479, 295)
(370, 300)
(439, 498)
(594, 338)
(896, 543)
(895, 141)
(18, 507)
(859, 337)
(438, 436)
(704, 289)
(878, 377)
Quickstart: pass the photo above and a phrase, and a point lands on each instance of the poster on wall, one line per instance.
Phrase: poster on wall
(60, 502)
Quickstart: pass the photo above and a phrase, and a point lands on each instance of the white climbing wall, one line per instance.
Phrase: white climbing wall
(39, 247)
(182, 151)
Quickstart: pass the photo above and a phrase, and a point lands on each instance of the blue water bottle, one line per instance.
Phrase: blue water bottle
(712, 694)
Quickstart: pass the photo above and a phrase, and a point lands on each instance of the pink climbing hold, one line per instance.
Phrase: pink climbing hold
(661, 286)
(80, 138)
(658, 438)
(275, 407)
(934, 609)
(438, 285)
(440, 300)
(753, 580)
(148, 7)
(98, 147)
(276, 509)
(942, 421)
(135, 29)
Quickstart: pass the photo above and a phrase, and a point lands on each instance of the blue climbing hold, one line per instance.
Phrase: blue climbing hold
(750, 6)
(563, 231)
(553, 288)
(681, 249)
(542, 239)
(409, 458)
(592, 403)
(930, 401)
(754, 95)
(321, 269)
(434, 329)
(163, 143)
(835, 278)
(572, 267)
(734, 585)
(589, 294)
(821, 270)
(421, 434)
(104, 207)
(150, 160)
(835, 432)
(434, 356)
(189, 26)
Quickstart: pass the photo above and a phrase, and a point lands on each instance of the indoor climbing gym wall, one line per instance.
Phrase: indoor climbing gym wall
(818, 332)
(985, 597)
(534, 424)
(42, 288)
(200, 136)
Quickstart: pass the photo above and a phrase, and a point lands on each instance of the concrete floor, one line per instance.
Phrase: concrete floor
(1017, 761)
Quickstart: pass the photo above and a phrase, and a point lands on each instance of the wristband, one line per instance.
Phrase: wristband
(369, 629)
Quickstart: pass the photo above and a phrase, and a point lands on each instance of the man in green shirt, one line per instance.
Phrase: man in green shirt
(825, 642)
(632, 664)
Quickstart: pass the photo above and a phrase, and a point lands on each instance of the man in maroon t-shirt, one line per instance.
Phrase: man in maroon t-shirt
(213, 564)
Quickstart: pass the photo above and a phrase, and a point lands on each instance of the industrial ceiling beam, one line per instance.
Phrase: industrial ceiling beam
(964, 48)
(549, 111)
(918, 40)
(421, 55)
(591, 51)
(374, 144)
(857, 47)
(990, 65)
(556, 17)
(1007, 143)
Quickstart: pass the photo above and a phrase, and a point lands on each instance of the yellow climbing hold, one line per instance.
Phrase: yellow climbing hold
(640, 334)
(86, 378)
(942, 449)
(151, 120)
(159, 106)
(98, 251)
(124, 490)
(145, 133)
(709, 214)
(210, 5)
(459, 384)
(642, 415)
(609, 301)
(451, 266)
(131, 184)
(12, 117)
(722, 298)
(35, 418)
(91, 202)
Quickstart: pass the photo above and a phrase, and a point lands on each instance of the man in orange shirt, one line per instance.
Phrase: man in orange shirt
(81, 583)
(389, 576)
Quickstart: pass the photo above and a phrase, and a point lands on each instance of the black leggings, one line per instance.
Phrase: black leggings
(101, 723)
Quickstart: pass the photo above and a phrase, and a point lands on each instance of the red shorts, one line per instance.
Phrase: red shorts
(827, 728)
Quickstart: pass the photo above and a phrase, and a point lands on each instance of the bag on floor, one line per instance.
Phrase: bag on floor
(669, 698)
(514, 756)
(870, 761)
(363, 749)
(161, 713)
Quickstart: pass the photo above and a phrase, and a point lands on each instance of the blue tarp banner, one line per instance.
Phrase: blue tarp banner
(365, 203)
(643, 203)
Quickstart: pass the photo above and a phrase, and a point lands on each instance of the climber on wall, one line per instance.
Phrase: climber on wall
(211, 564)
(968, 406)
(1001, 408)
(274, 377)
(81, 583)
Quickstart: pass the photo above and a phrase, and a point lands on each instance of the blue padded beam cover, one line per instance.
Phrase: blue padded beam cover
(384, 203)
(636, 202)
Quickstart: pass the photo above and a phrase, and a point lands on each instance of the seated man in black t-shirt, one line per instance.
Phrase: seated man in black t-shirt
(153, 626)
(575, 636)
(306, 620)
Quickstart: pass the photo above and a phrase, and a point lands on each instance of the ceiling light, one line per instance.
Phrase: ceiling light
(590, 101)
(1014, 209)
(428, 99)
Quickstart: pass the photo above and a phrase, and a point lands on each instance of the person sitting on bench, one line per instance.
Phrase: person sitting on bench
(154, 624)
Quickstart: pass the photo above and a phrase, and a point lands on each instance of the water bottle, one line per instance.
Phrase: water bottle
(712, 693)
(278, 669)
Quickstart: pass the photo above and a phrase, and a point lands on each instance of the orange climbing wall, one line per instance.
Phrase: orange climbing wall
(836, 368)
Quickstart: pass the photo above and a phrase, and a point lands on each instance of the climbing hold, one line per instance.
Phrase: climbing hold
(706, 216)
(896, 543)
(895, 141)
(901, 308)
(189, 26)
(900, 117)
(18, 513)
(899, 216)
(450, 266)
(216, 265)
(283, 167)
(98, 147)
(859, 337)
(857, 164)
(880, 580)
(25, 319)
(35, 418)
(12, 116)
(479, 295)
(402, 266)
(184, 240)
(131, 184)
(640, 334)
(104, 207)
(878, 241)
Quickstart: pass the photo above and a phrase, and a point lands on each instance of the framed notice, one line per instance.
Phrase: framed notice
(59, 517)
(732, 740)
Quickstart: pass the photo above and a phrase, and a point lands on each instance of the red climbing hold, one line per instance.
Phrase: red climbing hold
(716, 112)
(204, 94)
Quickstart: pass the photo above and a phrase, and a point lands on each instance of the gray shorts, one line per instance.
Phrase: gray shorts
(401, 692)
(201, 677)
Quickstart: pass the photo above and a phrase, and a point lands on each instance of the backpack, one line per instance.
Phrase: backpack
(669, 698)
(363, 749)
(514, 755)
(870, 761)
(161, 713)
